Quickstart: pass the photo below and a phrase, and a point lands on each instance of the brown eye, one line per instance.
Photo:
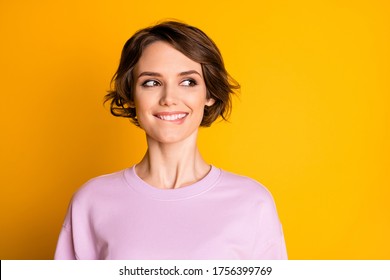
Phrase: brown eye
(150, 83)
(188, 83)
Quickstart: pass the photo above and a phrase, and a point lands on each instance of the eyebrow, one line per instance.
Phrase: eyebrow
(156, 74)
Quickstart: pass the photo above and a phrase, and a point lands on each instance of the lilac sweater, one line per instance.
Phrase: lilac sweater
(222, 216)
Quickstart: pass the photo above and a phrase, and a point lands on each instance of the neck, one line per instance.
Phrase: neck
(172, 165)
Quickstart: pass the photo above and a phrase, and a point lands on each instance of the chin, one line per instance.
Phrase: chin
(171, 138)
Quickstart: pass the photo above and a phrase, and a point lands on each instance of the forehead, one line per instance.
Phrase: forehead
(163, 58)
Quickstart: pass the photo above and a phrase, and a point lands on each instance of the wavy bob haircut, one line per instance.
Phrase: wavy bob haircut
(194, 44)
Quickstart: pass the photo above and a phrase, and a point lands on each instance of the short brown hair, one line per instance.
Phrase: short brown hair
(194, 44)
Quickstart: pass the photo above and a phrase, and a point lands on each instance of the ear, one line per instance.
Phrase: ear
(210, 102)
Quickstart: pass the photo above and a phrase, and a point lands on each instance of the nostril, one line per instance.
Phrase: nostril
(167, 101)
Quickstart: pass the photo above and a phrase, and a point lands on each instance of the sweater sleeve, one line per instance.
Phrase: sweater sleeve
(270, 238)
(65, 246)
(65, 249)
(76, 240)
(274, 249)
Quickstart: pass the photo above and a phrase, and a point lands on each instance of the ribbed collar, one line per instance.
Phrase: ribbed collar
(143, 188)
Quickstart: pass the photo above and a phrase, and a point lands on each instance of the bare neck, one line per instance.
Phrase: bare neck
(173, 165)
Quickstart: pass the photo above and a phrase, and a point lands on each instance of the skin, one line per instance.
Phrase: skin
(169, 97)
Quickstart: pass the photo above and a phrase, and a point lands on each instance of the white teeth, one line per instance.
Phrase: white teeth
(171, 117)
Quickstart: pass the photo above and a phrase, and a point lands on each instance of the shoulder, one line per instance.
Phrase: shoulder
(244, 184)
(100, 192)
(249, 194)
(101, 186)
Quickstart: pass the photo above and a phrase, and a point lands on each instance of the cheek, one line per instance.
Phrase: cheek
(140, 109)
(197, 100)
(142, 103)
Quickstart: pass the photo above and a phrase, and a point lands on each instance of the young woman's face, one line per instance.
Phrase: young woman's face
(170, 94)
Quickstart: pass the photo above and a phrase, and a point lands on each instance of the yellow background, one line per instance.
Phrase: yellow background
(311, 123)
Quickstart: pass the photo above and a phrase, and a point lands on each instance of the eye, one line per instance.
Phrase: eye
(150, 83)
(188, 83)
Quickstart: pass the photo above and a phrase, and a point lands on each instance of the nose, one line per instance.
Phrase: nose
(168, 97)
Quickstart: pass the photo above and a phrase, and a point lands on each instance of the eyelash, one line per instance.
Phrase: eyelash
(192, 83)
(144, 84)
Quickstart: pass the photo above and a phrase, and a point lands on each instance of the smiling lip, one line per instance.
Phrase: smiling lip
(171, 116)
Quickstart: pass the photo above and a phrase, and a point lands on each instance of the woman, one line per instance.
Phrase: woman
(172, 204)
